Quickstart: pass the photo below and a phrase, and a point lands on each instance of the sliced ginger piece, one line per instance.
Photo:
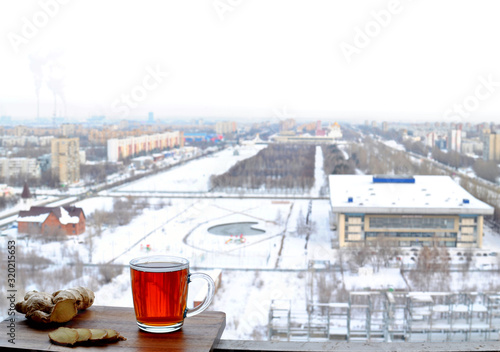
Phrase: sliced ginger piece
(64, 336)
(114, 335)
(83, 334)
(64, 311)
(98, 334)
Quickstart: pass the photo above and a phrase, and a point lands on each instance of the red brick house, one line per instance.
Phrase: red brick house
(47, 220)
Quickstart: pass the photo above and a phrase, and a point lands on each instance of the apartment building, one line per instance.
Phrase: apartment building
(454, 141)
(15, 167)
(134, 146)
(491, 150)
(68, 129)
(22, 141)
(287, 125)
(66, 159)
(223, 127)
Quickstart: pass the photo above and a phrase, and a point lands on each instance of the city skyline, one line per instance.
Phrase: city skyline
(376, 60)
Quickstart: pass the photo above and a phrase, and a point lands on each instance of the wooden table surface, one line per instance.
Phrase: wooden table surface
(199, 333)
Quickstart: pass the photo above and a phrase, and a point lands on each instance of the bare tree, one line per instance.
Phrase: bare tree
(444, 267)
(109, 272)
(89, 242)
(301, 224)
(54, 234)
(33, 233)
(279, 218)
(360, 256)
(325, 287)
(98, 220)
(385, 250)
(488, 170)
(342, 259)
(422, 275)
(32, 261)
(469, 257)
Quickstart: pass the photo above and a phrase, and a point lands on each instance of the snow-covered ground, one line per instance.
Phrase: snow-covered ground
(194, 176)
(267, 266)
(395, 145)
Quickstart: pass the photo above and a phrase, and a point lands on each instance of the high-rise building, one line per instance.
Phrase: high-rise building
(68, 129)
(454, 141)
(21, 130)
(491, 149)
(287, 125)
(385, 126)
(224, 127)
(66, 159)
(430, 139)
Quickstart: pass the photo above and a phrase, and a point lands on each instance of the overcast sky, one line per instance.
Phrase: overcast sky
(417, 60)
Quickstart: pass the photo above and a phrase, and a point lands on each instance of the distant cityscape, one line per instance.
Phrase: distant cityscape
(30, 151)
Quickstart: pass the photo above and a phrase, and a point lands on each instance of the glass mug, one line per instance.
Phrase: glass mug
(160, 290)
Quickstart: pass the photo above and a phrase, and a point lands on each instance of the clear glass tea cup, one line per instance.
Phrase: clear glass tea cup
(160, 291)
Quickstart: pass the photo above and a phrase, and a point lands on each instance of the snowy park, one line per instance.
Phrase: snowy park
(270, 262)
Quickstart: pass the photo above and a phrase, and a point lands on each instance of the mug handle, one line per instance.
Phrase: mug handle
(208, 299)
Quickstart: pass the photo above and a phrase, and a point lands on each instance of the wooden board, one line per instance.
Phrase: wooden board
(199, 333)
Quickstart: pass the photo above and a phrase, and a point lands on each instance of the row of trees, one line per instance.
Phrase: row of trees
(278, 166)
(373, 157)
(334, 162)
(416, 147)
(452, 158)
(367, 158)
(488, 170)
(17, 180)
(124, 210)
(97, 172)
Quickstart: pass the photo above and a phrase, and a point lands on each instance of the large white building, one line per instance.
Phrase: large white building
(406, 211)
(134, 146)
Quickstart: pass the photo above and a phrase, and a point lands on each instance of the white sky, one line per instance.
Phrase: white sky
(259, 59)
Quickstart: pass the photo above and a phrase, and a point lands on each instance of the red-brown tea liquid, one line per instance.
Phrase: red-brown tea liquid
(159, 297)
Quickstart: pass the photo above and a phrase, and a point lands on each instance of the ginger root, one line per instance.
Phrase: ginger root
(58, 307)
(69, 337)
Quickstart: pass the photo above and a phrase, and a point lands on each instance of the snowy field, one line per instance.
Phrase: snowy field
(266, 266)
(193, 176)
